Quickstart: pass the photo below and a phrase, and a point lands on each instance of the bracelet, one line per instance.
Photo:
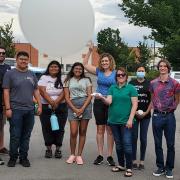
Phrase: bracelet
(8, 109)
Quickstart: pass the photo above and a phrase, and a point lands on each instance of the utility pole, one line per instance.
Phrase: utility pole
(154, 52)
(62, 67)
(0, 37)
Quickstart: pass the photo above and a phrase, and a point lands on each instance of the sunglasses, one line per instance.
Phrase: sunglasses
(121, 75)
(2, 53)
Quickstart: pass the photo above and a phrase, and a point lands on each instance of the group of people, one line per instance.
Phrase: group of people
(120, 109)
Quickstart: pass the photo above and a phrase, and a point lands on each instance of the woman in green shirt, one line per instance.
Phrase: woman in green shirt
(122, 100)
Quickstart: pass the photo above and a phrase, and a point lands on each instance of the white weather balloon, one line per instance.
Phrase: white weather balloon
(57, 27)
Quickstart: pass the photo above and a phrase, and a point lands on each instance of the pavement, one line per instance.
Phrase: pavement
(57, 169)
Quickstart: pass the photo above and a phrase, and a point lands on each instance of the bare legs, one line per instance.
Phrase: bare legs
(100, 139)
(78, 127)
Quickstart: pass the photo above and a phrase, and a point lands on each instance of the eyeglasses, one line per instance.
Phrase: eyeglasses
(2, 53)
(120, 75)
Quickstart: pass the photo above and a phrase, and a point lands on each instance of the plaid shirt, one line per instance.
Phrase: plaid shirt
(163, 94)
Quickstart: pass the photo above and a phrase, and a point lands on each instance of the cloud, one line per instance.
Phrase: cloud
(10, 7)
(107, 14)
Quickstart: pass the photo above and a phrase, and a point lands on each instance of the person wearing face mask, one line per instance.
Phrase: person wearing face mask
(143, 116)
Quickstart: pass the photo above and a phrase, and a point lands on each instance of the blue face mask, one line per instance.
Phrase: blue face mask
(140, 74)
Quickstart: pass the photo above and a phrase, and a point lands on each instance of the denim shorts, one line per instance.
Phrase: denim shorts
(78, 103)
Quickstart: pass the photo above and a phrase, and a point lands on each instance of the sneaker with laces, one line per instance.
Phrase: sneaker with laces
(58, 154)
(11, 162)
(98, 160)
(25, 162)
(1, 162)
(110, 161)
(159, 172)
(48, 153)
(169, 174)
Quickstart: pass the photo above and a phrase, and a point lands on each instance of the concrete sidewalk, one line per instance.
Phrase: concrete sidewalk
(54, 169)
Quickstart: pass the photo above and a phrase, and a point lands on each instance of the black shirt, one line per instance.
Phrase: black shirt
(144, 95)
(3, 69)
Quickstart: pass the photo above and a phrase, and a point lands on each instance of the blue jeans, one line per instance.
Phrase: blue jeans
(21, 125)
(123, 141)
(167, 124)
(144, 124)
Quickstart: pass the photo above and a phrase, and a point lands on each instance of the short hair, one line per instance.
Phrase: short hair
(111, 59)
(123, 69)
(2, 47)
(140, 65)
(22, 53)
(167, 64)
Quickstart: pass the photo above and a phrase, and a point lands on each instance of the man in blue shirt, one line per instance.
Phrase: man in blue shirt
(3, 68)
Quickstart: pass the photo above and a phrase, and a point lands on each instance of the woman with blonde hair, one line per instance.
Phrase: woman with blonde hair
(105, 73)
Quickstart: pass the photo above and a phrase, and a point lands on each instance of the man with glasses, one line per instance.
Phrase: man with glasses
(165, 99)
(20, 86)
(3, 68)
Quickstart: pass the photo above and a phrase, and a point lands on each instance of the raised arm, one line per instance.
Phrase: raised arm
(89, 67)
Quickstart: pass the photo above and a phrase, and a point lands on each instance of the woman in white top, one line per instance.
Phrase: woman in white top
(78, 89)
(52, 98)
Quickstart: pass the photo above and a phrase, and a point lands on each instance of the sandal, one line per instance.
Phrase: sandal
(118, 169)
(128, 173)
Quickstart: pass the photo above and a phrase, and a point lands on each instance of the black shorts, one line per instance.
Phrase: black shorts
(100, 112)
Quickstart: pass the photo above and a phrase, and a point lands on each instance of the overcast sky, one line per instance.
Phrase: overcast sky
(107, 14)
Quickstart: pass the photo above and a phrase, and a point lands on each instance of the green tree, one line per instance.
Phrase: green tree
(145, 54)
(162, 17)
(109, 40)
(7, 39)
(172, 50)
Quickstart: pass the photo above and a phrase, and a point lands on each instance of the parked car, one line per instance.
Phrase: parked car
(37, 70)
(10, 61)
(175, 75)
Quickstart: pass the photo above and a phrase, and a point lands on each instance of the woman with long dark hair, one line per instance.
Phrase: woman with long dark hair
(78, 89)
(52, 98)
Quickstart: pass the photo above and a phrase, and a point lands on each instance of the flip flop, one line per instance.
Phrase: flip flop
(118, 169)
(128, 173)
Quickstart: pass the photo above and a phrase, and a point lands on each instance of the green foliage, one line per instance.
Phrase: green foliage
(145, 54)
(163, 18)
(152, 74)
(109, 41)
(172, 50)
(7, 39)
